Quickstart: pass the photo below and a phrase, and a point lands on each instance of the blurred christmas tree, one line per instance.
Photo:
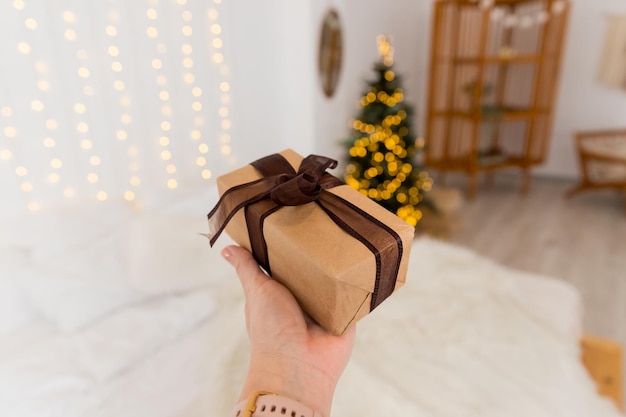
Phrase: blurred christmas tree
(382, 149)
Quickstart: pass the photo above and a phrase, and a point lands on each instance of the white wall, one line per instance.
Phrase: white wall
(583, 103)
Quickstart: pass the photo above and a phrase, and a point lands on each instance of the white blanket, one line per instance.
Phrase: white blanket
(463, 337)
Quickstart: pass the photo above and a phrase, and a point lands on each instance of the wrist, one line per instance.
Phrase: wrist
(290, 378)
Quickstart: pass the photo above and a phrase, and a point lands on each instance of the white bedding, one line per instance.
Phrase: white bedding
(167, 339)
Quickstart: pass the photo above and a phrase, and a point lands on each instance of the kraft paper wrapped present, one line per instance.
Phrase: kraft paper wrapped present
(337, 251)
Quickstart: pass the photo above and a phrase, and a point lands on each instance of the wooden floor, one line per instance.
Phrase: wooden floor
(581, 240)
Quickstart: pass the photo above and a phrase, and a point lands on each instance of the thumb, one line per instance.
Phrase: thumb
(248, 271)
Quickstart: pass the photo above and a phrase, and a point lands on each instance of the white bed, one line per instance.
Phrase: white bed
(106, 312)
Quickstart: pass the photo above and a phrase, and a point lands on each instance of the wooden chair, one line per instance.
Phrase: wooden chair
(602, 159)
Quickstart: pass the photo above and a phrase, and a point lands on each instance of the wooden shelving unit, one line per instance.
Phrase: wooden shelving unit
(493, 80)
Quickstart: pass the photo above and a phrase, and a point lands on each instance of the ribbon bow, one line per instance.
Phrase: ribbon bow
(282, 186)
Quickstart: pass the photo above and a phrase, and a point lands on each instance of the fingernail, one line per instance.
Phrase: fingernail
(227, 254)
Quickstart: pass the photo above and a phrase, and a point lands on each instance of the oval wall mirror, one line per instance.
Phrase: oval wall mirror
(330, 52)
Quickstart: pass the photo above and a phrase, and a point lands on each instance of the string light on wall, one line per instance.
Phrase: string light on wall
(165, 124)
(80, 110)
(216, 43)
(125, 117)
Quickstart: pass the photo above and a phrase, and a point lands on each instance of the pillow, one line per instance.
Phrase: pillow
(72, 301)
(51, 232)
(168, 254)
(15, 310)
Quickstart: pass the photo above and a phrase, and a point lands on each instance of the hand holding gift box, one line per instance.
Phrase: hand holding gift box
(337, 251)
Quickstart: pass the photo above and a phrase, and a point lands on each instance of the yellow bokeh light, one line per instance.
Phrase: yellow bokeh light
(41, 67)
(68, 16)
(213, 14)
(113, 50)
(121, 135)
(224, 86)
(187, 16)
(201, 161)
(196, 92)
(92, 177)
(31, 23)
(26, 187)
(116, 66)
(225, 150)
(49, 143)
(101, 196)
(166, 111)
(218, 58)
(53, 178)
(6, 154)
(161, 80)
(18, 4)
(111, 31)
(86, 144)
(189, 78)
(129, 195)
(157, 63)
(43, 85)
(51, 124)
(10, 132)
(70, 34)
(152, 14)
(196, 134)
(125, 101)
(161, 48)
(33, 207)
(119, 85)
(187, 30)
(164, 95)
(82, 127)
(94, 160)
(216, 29)
(126, 119)
(226, 124)
(79, 108)
(217, 43)
(83, 72)
(187, 49)
(24, 48)
(21, 171)
(196, 106)
(203, 148)
(206, 174)
(152, 32)
(188, 62)
(56, 163)
(6, 111)
(134, 181)
(171, 169)
(37, 105)
(172, 183)
(68, 192)
(164, 141)
(166, 155)
(165, 125)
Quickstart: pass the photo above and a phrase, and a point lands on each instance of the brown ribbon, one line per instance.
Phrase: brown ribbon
(282, 186)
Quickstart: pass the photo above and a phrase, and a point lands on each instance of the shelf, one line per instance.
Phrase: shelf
(506, 114)
(497, 60)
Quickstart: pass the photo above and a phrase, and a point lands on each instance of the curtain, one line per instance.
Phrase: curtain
(105, 99)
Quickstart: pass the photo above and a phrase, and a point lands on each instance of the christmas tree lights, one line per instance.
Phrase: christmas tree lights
(382, 149)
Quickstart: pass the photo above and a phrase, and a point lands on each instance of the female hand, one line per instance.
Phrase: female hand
(290, 354)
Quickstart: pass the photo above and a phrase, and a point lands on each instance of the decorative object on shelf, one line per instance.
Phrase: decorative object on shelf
(612, 71)
(602, 160)
(494, 71)
(330, 52)
(383, 149)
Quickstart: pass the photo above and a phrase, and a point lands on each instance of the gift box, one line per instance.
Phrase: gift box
(337, 251)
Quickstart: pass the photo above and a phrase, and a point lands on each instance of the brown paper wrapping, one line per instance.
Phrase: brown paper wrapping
(330, 273)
